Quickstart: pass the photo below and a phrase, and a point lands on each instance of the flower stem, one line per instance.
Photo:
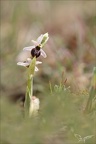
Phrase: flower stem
(29, 89)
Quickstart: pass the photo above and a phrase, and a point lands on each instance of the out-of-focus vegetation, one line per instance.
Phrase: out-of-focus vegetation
(71, 51)
(61, 120)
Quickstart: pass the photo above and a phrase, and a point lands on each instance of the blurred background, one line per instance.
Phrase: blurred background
(71, 56)
(71, 48)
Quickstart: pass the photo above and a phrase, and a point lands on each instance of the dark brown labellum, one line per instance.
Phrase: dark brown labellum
(35, 52)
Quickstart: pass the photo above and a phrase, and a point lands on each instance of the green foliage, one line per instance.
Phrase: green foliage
(60, 120)
(91, 104)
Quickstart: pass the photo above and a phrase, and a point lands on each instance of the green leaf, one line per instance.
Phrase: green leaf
(94, 79)
(92, 93)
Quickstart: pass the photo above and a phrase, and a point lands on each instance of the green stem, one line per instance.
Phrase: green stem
(29, 94)
(29, 89)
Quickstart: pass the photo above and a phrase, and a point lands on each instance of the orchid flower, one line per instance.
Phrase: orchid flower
(31, 103)
(27, 63)
(36, 49)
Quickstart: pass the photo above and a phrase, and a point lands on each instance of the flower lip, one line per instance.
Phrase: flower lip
(38, 48)
(35, 50)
